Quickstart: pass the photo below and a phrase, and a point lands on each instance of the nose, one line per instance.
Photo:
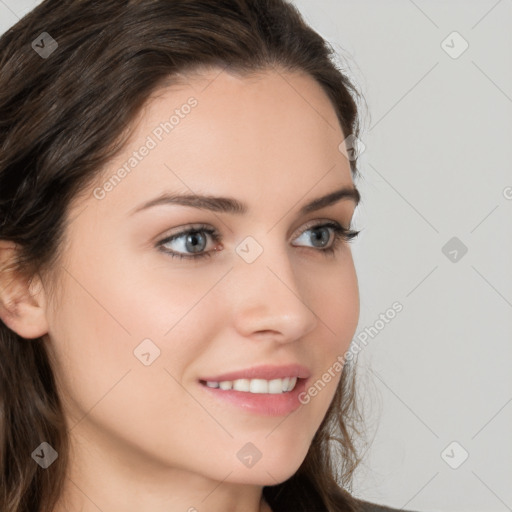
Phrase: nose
(268, 299)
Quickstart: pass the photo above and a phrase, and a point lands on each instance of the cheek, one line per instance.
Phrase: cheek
(110, 303)
(108, 318)
(338, 306)
(92, 342)
(104, 386)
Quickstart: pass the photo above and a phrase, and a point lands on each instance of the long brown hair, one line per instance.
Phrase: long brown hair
(66, 108)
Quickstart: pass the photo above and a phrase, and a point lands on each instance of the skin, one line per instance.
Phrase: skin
(148, 437)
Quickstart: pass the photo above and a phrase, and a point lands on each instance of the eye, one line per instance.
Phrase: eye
(194, 240)
(320, 236)
(326, 239)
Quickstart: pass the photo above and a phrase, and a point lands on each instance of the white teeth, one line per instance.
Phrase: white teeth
(258, 386)
(242, 385)
(273, 387)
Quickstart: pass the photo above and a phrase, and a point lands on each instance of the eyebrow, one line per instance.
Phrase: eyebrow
(233, 206)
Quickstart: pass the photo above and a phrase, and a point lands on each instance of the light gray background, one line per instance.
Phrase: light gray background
(437, 133)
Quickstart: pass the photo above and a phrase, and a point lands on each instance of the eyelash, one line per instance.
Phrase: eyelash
(340, 234)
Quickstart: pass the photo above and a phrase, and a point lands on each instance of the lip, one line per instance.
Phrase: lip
(266, 372)
(260, 403)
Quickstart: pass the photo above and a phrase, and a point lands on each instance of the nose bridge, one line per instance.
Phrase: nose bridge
(268, 295)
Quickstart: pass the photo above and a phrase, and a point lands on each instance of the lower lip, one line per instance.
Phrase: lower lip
(261, 403)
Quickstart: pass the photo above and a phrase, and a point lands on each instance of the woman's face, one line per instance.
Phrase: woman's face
(134, 330)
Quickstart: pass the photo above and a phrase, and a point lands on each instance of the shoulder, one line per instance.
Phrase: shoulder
(366, 506)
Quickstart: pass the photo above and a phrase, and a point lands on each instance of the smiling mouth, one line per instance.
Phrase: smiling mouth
(256, 386)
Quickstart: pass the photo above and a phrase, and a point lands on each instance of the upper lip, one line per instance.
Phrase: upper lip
(266, 372)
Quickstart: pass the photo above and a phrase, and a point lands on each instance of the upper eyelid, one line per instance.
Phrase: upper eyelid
(319, 223)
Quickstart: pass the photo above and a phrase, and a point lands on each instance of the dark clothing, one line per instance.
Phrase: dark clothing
(299, 495)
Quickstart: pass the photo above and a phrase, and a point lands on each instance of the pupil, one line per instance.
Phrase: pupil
(193, 239)
(324, 238)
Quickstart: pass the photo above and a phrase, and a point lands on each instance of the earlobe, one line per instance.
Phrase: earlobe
(22, 299)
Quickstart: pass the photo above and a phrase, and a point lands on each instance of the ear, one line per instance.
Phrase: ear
(22, 299)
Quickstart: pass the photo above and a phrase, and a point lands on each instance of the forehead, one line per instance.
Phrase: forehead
(219, 133)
